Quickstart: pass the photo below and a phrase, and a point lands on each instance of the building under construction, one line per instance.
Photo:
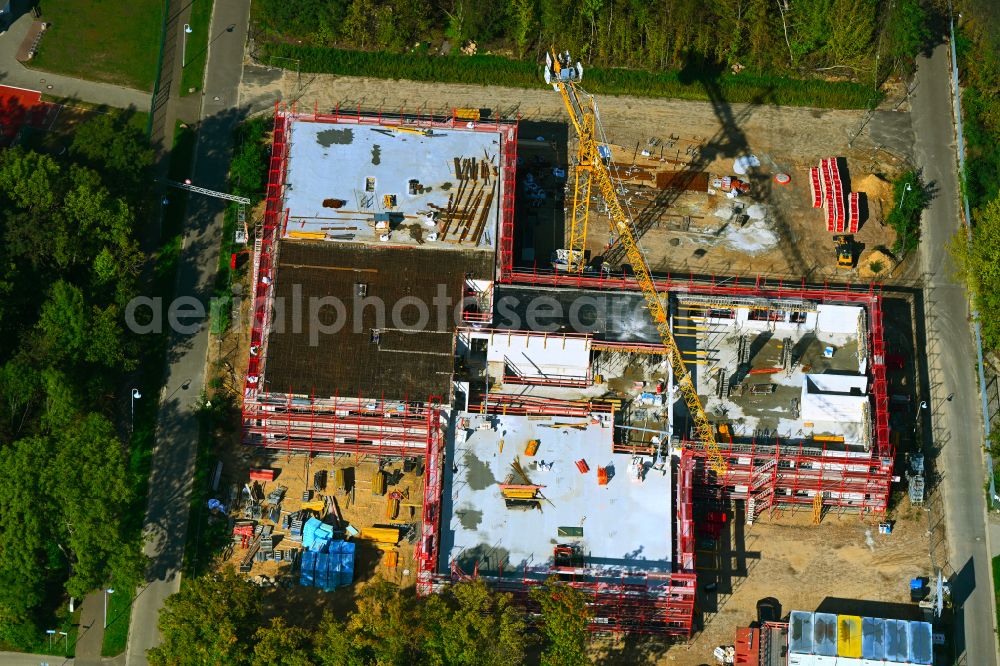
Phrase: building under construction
(541, 401)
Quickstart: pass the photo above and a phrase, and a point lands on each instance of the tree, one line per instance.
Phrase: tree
(210, 621)
(978, 263)
(523, 23)
(384, 628)
(334, 644)
(63, 323)
(564, 624)
(469, 625)
(115, 145)
(26, 552)
(90, 483)
(278, 644)
(910, 197)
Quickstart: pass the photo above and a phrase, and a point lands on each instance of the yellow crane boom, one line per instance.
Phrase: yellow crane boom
(564, 77)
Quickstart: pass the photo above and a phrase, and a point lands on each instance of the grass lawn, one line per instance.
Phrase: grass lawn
(102, 40)
(193, 75)
(119, 614)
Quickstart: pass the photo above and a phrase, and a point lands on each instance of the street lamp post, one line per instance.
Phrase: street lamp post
(135, 396)
(65, 642)
(187, 31)
(906, 189)
(108, 591)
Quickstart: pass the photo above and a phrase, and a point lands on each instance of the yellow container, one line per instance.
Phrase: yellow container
(378, 483)
(380, 534)
(849, 636)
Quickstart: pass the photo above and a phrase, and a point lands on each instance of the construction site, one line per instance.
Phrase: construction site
(449, 406)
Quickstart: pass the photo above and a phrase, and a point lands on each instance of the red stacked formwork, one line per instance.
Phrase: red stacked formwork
(837, 194)
(815, 188)
(829, 201)
(853, 199)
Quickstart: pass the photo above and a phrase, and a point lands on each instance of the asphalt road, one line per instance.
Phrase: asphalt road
(951, 356)
(177, 426)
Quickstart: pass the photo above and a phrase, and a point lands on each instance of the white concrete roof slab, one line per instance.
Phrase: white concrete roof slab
(627, 525)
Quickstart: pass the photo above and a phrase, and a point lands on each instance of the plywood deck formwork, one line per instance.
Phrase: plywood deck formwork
(313, 355)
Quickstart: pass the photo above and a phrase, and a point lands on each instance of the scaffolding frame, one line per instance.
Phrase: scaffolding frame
(266, 254)
(360, 426)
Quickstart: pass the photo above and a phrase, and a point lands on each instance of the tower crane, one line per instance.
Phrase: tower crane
(564, 76)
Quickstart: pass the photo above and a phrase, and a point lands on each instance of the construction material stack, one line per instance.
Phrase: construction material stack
(827, 191)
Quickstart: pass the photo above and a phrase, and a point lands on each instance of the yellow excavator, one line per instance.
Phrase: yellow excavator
(565, 76)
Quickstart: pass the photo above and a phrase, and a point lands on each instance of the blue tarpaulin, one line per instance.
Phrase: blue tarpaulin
(327, 570)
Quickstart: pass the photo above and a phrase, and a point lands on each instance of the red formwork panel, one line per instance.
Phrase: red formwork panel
(854, 200)
(815, 188)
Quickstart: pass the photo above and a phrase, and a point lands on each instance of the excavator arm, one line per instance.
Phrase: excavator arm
(564, 78)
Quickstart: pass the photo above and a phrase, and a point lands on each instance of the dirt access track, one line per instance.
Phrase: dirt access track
(791, 240)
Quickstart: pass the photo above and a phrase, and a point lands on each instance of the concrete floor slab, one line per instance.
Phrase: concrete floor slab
(627, 526)
(339, 176)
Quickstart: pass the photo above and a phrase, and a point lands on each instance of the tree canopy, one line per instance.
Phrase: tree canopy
(68, 265)
(839, 36)
(978, 262)
(217, 619)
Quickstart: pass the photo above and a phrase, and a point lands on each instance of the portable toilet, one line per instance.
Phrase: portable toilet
(873, 639)
(849, 636)
(800, 632)
(897, 644)
(307, 568)
(825, 638)
(921, 643)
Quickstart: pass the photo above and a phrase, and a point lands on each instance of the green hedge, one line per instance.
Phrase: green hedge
(498, 71)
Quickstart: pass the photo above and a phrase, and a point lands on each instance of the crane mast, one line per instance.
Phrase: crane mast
(564, 77)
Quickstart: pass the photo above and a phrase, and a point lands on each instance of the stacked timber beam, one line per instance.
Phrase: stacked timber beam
(468, 210)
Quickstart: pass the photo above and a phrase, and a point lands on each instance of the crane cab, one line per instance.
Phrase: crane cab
(561, 70)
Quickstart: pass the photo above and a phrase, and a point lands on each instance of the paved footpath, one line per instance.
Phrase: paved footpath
(13, 73)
